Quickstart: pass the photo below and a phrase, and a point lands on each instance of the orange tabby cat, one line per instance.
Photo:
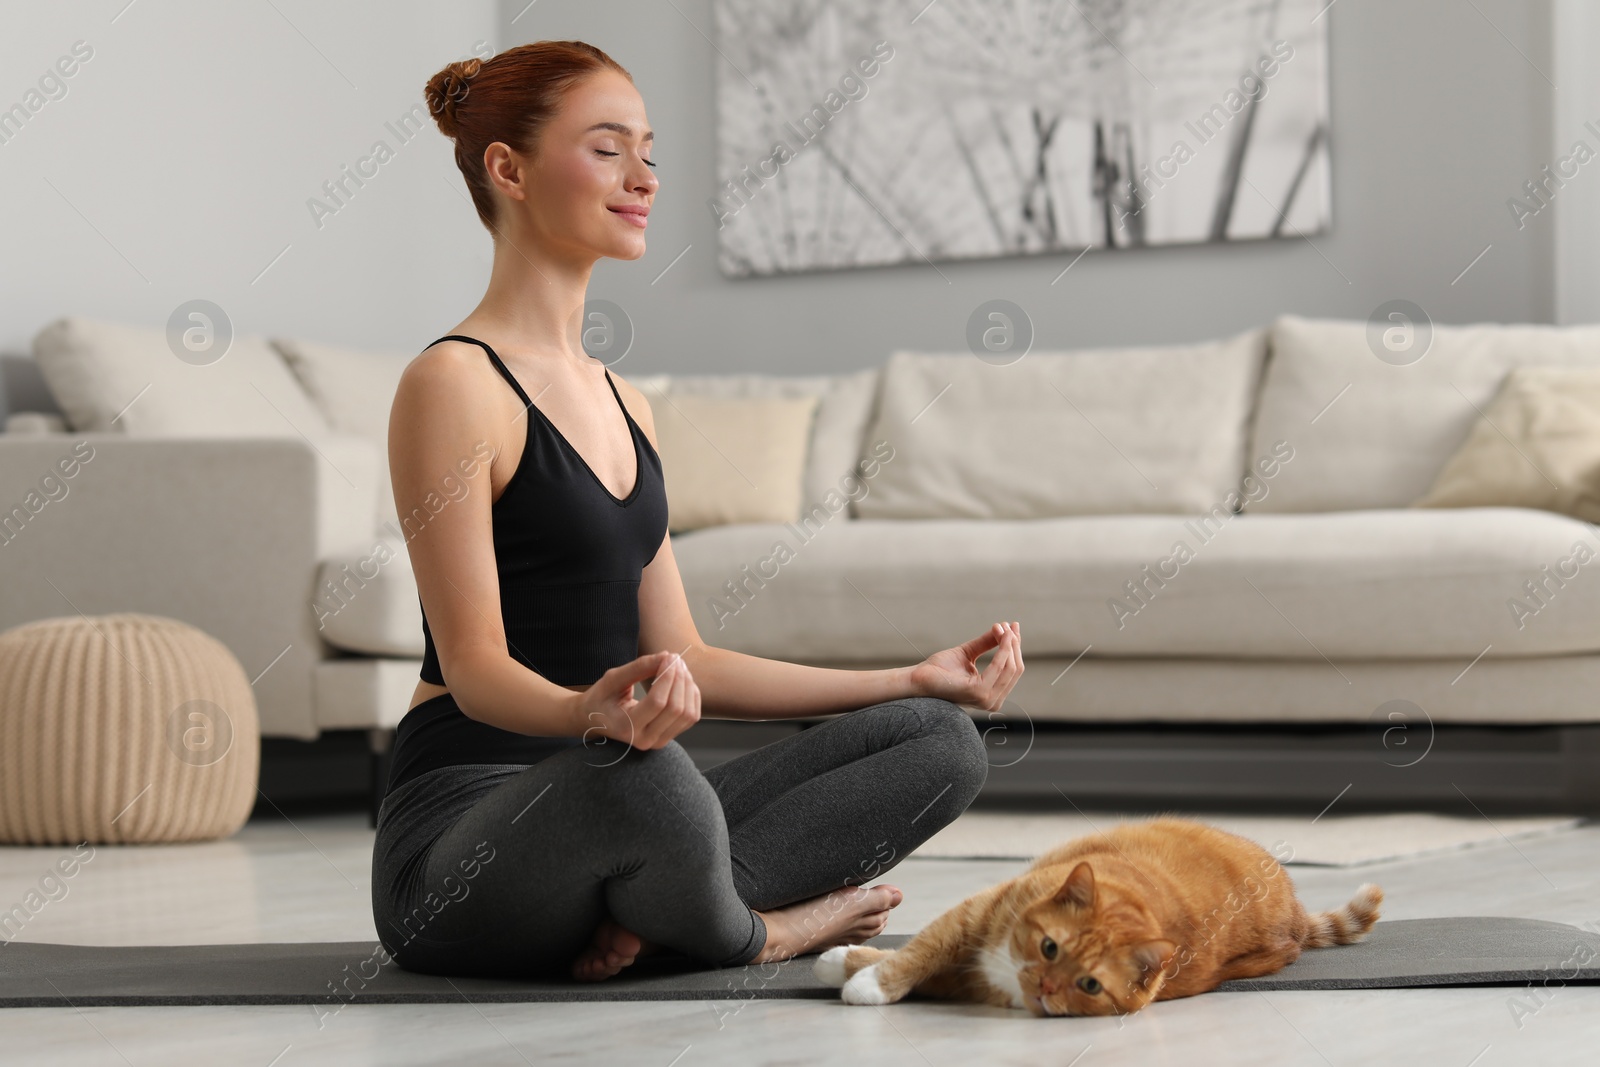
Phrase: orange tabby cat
(1107, 923)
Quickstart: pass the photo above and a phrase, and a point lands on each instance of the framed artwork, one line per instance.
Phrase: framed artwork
(861, 133)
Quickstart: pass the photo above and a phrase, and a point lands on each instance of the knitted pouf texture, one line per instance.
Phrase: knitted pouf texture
(123, 728)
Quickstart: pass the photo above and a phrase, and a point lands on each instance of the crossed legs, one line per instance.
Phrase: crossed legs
(586, 843)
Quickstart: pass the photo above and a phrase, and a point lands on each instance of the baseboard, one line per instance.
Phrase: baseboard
(1308, 769)
(331, 773)
(1458, 769)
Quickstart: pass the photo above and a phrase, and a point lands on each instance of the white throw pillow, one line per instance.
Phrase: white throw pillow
(1367, 433)
(1157, 430)
(114, 377)
(355, 389)
(731, 459)
(1537, 445)
(844, 407)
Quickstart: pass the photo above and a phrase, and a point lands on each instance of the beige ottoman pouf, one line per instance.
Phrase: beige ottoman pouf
(123, 728)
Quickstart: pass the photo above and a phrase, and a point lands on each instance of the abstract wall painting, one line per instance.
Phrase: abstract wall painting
(861, 133)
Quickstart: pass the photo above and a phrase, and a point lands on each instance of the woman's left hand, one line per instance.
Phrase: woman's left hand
(954, 676)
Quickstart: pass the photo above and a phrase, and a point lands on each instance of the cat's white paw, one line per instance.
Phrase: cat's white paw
(829, 967)
(863, 988)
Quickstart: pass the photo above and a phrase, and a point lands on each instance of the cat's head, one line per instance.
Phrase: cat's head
(1089, 950)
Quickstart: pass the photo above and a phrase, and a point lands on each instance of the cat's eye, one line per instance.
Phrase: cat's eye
(1089, 984)
(1048, 948)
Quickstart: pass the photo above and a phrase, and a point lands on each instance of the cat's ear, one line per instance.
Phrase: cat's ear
(1152, 957)
(1078, 889)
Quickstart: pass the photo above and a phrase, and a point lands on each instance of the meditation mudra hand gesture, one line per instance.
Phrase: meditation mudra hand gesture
(953, 674)
(672, 704)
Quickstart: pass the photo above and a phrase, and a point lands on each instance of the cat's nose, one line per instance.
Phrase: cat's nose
(1047, 986)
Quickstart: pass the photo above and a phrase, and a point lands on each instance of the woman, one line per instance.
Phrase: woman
(540, 819)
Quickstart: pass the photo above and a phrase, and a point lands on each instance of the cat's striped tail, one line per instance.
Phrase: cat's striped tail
(1348, 924)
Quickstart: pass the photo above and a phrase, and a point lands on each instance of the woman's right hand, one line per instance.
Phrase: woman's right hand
(608, 708)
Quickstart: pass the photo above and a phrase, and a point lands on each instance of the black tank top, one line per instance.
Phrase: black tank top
(569, 556)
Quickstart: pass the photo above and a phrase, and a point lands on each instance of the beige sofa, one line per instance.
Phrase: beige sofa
(249, 497)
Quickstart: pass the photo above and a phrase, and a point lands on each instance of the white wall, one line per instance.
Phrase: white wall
(179, 161)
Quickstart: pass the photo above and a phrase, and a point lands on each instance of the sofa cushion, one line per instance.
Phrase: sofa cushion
(363, 692)
(1522, 692)
(731, 459)
(1373, 434)
(27, 423)
(116, 377)
(354, 388)
(1389, 584)
(366, 600)
(844, 407)
(1097, 432)
(1537, 445)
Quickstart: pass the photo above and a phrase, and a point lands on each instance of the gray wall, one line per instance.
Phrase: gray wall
(1436, 120)
(179, 162)
(1574, 213)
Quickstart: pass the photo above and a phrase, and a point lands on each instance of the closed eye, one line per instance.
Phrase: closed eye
(603, 152)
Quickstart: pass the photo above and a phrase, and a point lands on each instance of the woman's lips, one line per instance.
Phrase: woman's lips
(633, 215)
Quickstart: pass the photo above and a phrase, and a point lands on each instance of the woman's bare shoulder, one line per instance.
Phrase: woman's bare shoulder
(447, 378)
(445, 361)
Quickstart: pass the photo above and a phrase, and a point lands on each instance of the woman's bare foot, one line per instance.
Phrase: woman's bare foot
(845, 916)
(613, 948)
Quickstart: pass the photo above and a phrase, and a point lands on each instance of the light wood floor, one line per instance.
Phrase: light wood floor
(309, 881)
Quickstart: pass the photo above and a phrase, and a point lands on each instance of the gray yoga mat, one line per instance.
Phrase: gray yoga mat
(1406, 952)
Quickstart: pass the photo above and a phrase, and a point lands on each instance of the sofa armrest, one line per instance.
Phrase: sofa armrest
(222, 533)
(34, 422)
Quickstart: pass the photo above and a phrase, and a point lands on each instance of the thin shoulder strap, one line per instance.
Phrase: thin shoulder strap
(618, 395)
(501, 367)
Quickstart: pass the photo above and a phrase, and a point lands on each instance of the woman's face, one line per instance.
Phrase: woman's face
(591, 166)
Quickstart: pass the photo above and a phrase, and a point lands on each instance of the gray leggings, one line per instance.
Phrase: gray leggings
(502, 870)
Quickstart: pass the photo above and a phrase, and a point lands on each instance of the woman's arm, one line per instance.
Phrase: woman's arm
(441, 454)
(441, 449)
(739, 686)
